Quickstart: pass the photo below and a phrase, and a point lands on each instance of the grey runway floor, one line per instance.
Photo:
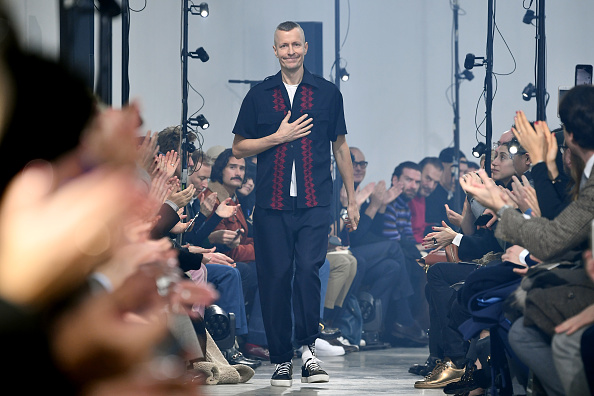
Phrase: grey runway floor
(363, 373)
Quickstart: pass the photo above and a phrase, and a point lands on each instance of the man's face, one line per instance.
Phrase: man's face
(234, 173)
(290, 48)
(359, 166)
(429, 180)
(410, 179)
(502, 166)
(199, 178)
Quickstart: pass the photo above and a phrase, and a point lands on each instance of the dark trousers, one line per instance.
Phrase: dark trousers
(290, 248)
(249, 282)
(381, 270)
(443, 340)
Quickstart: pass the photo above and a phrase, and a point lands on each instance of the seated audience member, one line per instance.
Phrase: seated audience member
(444, 193)
(398, 227)
(500, 280)
(551, 170)
(343, 268)
(446, 344)
(230, 237)
(222, 275)
(521, 159)
(381, 267)
(168, 171)
(202, 208)
(431, 170)
(550, 241)
(246, 194)
(567, 353)
(219, 271)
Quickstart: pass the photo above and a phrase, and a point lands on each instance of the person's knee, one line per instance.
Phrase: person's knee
(434, 273)
(340, 267)
(391, 268)
(517, 335)
(565, 345)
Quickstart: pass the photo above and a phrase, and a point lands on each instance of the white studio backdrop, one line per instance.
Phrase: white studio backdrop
(398, 54)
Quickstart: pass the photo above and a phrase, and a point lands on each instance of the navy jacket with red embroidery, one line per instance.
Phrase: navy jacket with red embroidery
(261, 113)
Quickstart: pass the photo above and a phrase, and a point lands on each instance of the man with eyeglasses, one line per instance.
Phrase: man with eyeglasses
(381, 264)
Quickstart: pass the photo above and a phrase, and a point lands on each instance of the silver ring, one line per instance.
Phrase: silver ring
(434, 241)
(172, 164)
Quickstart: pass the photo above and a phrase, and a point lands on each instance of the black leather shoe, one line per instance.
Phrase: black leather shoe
(471, 380)
(233, 356)
(412, 333)
(423, 369)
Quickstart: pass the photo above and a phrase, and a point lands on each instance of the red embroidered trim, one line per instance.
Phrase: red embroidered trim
(277, 180)
(310, 191)
(279, 101)
(306, 98)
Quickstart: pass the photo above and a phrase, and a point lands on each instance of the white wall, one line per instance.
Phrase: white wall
(399, 55)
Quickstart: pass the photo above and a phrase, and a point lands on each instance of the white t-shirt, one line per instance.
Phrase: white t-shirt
(291, 89)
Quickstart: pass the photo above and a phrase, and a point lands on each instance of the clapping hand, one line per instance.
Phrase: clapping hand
(524, 196)
(72, 245)
(207, 204)
(454, 217)
(487, 193)
(378, 194)
(168, 162)
(183, 197)
(209, 256)
(392, 193)
(147, 152)
(225, 210)
(439, 239)
(534, 140)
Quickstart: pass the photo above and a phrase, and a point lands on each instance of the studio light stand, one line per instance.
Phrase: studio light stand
(184, 125)
(487, 61)
(108, 9)
(125, 51)
(541, 89)
(489, 88)
(185, 145)
(337, 42)
(457, 78)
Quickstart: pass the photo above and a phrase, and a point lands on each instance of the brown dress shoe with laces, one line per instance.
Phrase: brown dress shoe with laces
(445, 372)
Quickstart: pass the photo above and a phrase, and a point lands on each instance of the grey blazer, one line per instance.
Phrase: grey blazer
(550, 239)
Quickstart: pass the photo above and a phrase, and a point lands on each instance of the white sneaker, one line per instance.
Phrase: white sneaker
(362, 343)
(324, 348)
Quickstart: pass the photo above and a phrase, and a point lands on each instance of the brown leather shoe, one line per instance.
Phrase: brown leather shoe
(445, 372)
(254, 351)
